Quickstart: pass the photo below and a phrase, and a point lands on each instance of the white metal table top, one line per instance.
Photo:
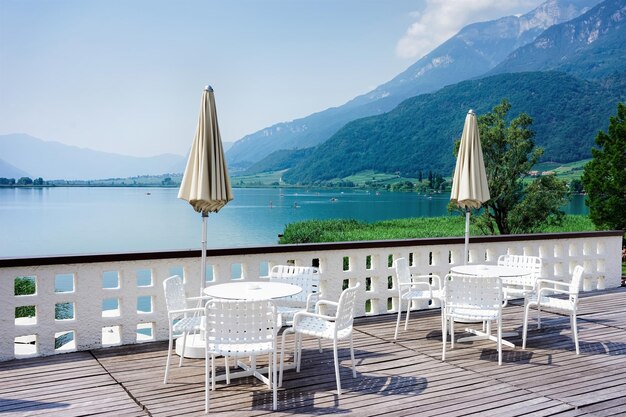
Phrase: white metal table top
(252, 290)
(490, 270)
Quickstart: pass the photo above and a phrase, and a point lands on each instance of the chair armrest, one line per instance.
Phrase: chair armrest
(202, 297)
(300, 314)
(311, 301)
(557, 284)
(327, 302)
(187, 310)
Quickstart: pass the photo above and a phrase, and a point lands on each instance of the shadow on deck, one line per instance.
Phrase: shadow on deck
(406, 377)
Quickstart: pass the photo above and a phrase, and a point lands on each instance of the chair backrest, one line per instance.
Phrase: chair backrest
(345, 309)
(305, 277)
(242, 322)
(175, 297)
(531, 263)
(473, 292)
(403, 276)
(574, 286)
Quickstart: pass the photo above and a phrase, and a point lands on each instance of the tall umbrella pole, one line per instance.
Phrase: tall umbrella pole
(205, 217)
(467, 232)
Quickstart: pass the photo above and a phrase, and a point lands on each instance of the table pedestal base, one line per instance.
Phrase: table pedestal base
(194, 348)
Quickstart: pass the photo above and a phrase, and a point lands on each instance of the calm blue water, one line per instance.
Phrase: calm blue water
(63, 221)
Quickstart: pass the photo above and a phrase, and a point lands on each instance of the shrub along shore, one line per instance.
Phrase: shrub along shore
(313, 231)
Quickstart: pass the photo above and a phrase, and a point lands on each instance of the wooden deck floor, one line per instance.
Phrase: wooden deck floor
(394, 379)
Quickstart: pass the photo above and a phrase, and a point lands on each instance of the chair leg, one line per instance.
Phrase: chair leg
(299, 350)
(169, 357)
(539, 316)
(228, 369)
(336, 356)
(398, 321)
(182, 356)
(452, 333)
(282, 355)
(273, 379)
(352, 356)
(408, 312)
(444, 336)
(206, 382)
(575, 331)
(213, 372)
(500, 340)
(525, 325)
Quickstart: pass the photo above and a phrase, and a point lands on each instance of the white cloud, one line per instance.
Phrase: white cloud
(442, 19)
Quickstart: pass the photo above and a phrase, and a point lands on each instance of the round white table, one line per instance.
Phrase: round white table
(491, 271)
(252, 290)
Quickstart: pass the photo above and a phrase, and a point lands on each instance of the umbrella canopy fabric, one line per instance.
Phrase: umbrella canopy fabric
(205, 184)
(469, 184)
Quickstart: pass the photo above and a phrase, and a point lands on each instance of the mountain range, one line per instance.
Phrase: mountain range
(408, 123)
(473, 51)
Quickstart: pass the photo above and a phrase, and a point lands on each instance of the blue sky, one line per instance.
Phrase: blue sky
(126, 76)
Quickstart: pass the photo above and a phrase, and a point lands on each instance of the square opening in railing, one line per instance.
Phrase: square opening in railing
(110, 280)
(145, 332)
(144, 304)
(390, 304)
(144, 278)
(368, 306)
(346, 263)
(389, 261)
(177, 270)
(64, 341)
(64, 283)
(64, 311)
(368, 284)
(209, 275)
(236, 271)
(25, 286)
(390, 282)
(264, 268)
(368, 262)
(25, 315)
(111, 335)
(111, 307)
(25, 346)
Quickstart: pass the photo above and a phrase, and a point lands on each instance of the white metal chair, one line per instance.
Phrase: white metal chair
(240, 328)
(181, 317)
(545, 300)
(525, 285)
(305, 277)
(472, 298)
(334, 328)
(413, 287)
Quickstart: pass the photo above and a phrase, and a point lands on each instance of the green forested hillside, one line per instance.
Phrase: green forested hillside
(419, 134)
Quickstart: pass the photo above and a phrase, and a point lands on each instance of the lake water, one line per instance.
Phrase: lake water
(67, 221)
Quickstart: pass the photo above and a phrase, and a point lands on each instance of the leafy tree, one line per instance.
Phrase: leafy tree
(509, 153)
(38, 181)
(576, 186)
(25, 181)
(604, 177)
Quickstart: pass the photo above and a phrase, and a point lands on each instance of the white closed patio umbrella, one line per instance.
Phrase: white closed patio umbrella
(205, 184)
(470, 188)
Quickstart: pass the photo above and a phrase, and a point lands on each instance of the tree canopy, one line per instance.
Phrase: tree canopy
(509, 153)
(604, 177)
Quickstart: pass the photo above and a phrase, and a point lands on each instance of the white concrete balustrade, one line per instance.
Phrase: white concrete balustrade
(130, 285)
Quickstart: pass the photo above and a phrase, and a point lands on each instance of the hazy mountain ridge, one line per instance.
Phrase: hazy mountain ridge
(54, 160)
(418, 135)
(473, 51)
